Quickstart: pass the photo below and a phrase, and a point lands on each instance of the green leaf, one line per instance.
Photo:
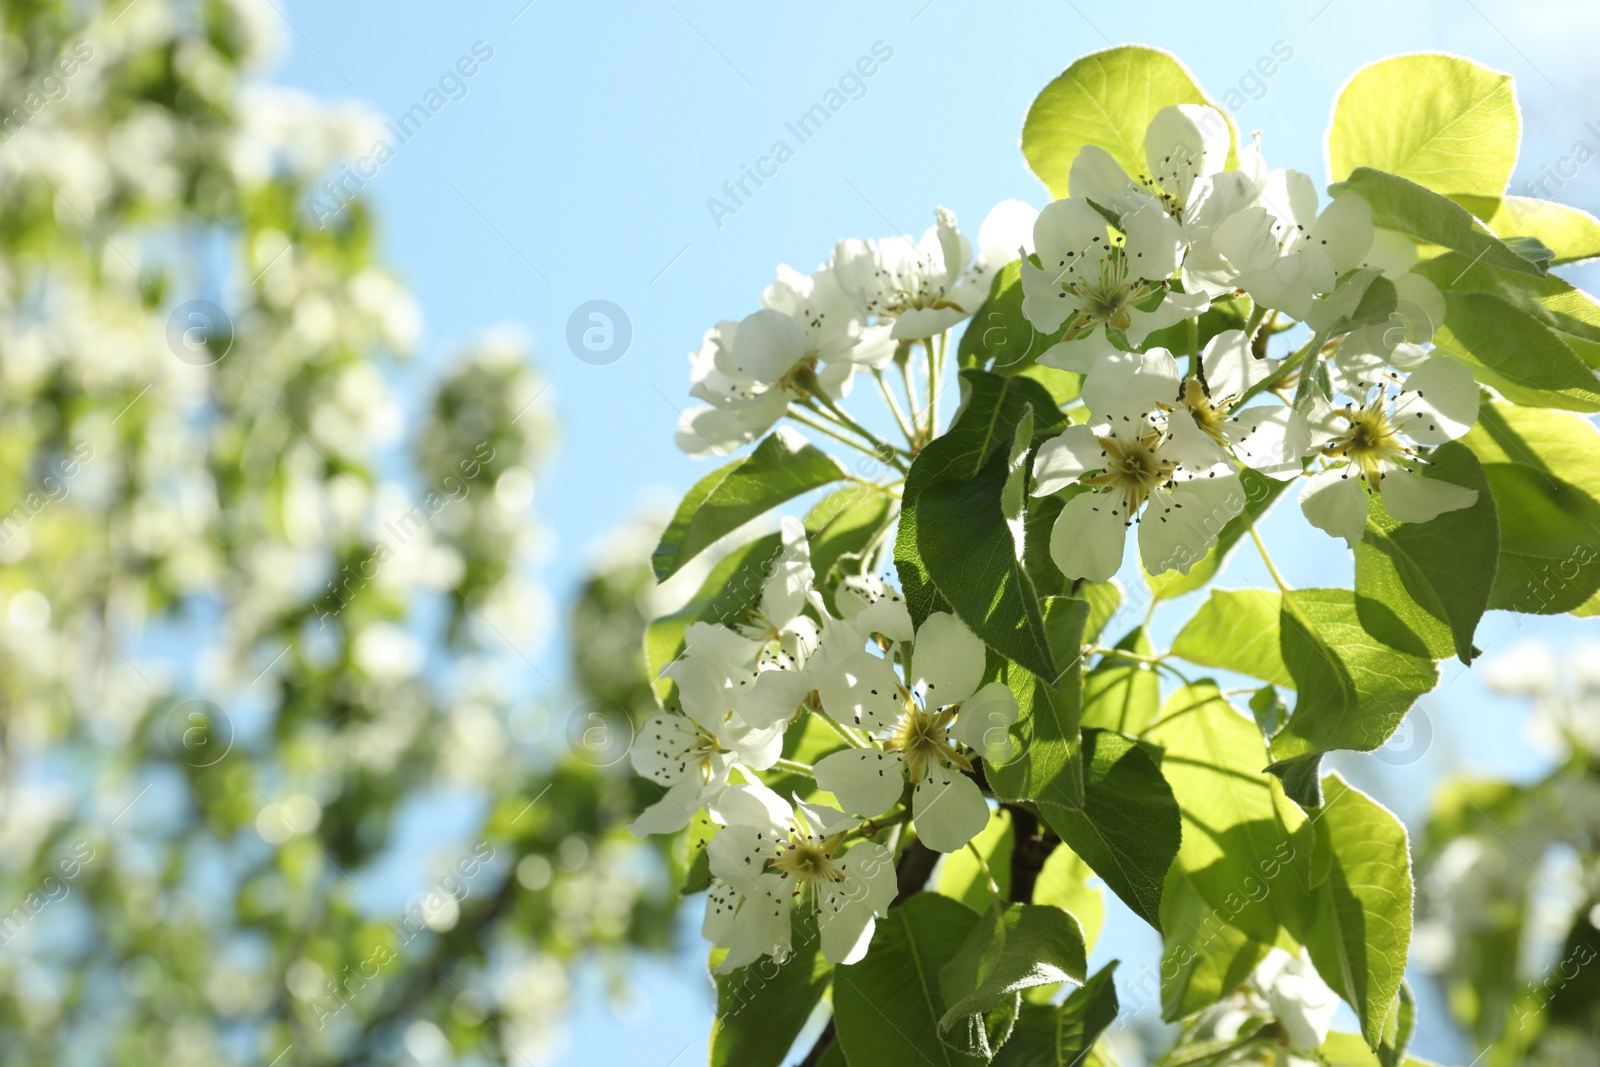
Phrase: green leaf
(729, 592)
(1106, 99)
(1025, 945)
(960, 877)
(1236, 630)
(999, 337)
(1245, 847)
(1348, 1050)
(1046, 763)
(1204, 958)
(783, 466)
(762, 1008)
(1353, 689)
(1128, 827)
(1549, 299)
(1362, 930)
(1573, 235)
(1399, 1028)
(1260, 492)
(1121, 695)
(1104, 599)
(1064, 882)
(963, 553)
(1544, 469)
(1513, 351)
(1398, 204)
(1435, 576)
(1048, 1035)
(845, 522)
(1441, 121)
(887, 1006)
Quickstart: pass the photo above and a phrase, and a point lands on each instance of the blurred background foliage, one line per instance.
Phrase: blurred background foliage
(276, 773)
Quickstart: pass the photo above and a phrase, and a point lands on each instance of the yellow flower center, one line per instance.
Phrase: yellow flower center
(1133, 468)
(1210, 415)
(807, 860)
(1370, 443)
(923, 738)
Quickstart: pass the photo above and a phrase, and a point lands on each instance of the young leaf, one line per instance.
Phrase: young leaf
(1549, 299)
(1106, 99)
(1236, 630)
(1205, 958)
(1025, 945)
(1362, 930)
(1398, 204)
(1573, 235)
(967, 466)
(1046, 763)
(1245, 846)
(1513, 351)
(1441, 121)
(1128, 826)
(1544, 470)
(1435, 576)
(1064, 882)
(762, 1008)
(783, 466)
(1048, 1035)
(887, 1007)
(1122, 695)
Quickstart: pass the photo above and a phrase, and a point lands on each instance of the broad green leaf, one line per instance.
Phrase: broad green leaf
(1434, 576)
(960, 877)
(1106, 99)
(1353, 689)
(1544, 469)
(845, 522)
(783, 466)
(999, 337)
(1048, 1035)
(1025, 945)
(1549, 299)
(886, 1007)
(1441, 121)
(1513, 351)
(1362, 930)
(729, 592)
(1399, 1028)
(762, 1008)
(1046, 763)
(1127, 828)
(1246, 847)
(1405, 206)
(1064, 882)
(1236, 630)
(1121, 695)
(1204, 957)
(1259, 494)
(1348, 1050)
(963, 553)
(1573, 235)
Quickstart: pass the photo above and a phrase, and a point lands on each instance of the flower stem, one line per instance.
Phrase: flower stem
(829, 410)
(894, 407)
(1283, 587)
(823, 428)
(911, 395)
(988, 879)
(796, 766)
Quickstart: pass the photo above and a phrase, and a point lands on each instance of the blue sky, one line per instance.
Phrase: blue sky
(579, 163)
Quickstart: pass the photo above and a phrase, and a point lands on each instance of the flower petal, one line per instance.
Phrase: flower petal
(1439, 402)
(767, 345)
(1269, 438)
(845, 909)
(1080, 355)
(948, 809)
(749, 923)
(985, 720)
(1184, 143)
(864, 780)
(1231, 367)
(1088, 536)
(663, 748)
(672, 812)
(1335, 503)
(1064, 458)
(1096, 176)
(855, 686)
(947, 660)
(1410, 497)
(1173, 309)
(874, 606)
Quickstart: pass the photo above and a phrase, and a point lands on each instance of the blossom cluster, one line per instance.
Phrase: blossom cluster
(912, 713)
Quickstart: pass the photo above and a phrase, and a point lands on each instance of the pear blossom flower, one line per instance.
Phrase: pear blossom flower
(1095, 281)
(1307, 251)
(1150, 462)
(1374, 447)
(769, 853)
(921, 289)
(919, 730)
(1185, 145)
(1269, 438)
(1299, 998)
